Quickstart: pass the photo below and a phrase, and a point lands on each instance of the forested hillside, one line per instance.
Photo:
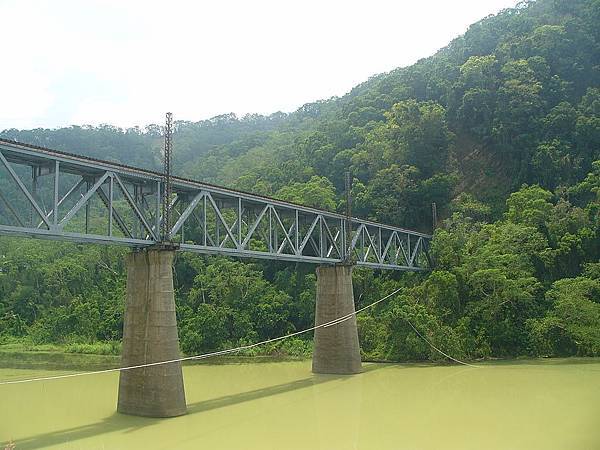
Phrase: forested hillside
(501, 129)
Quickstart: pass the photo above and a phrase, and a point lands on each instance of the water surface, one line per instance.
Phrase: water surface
(548, 404)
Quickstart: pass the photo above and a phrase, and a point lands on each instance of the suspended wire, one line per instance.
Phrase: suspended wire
(440, 351)
(238, 349)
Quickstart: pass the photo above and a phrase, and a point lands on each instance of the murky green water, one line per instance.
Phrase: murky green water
(553, 404)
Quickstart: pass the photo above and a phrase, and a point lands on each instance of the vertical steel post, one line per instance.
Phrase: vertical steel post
(297, 233)
(88, 186)
(343, 240)
(204, 216)
(239, 243)
(380, 250)
(158, 207)
(217, 227)
(348, 229)
(110, 204)
(183, 224)
(55, 207)
(321, 238)
(275, 235)
(136, 222)
(33, 193)
(270, 230)
(363, 252)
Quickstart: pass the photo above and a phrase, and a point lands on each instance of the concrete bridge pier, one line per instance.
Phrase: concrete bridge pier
(336, 348)
(150, 335)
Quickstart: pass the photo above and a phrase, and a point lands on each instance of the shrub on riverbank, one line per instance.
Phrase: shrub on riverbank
(96, 348)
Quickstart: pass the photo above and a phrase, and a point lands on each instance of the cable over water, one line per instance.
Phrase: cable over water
(238, 349)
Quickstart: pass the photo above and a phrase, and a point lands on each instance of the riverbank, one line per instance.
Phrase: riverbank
(292, 347)
(90, 357)
(106, 354)
(102, 355)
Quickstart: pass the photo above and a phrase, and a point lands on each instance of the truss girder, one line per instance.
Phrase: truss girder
(210, 219)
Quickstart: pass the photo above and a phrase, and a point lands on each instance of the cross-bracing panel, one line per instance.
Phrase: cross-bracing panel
(55, 195)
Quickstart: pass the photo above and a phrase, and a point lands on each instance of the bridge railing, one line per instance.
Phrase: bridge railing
(55, 195)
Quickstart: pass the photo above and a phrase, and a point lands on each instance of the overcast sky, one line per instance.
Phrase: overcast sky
(127, 62)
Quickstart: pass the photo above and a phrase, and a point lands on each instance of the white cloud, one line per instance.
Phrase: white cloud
(127, 62)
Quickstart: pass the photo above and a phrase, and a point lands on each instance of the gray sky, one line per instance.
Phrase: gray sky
(127, 62)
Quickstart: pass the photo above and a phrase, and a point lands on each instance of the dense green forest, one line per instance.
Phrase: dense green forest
(501, 129)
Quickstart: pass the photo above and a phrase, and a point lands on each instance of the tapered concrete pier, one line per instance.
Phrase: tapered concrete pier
(336, 348)
(150, 335)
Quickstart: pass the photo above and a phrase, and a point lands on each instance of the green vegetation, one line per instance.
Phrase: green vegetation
(501, 129)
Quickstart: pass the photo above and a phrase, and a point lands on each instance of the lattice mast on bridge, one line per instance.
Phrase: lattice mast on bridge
(167, 181)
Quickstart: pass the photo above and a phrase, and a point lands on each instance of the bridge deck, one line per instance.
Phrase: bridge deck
(55, 195)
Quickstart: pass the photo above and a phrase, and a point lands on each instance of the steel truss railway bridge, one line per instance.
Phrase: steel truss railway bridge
(55, 195)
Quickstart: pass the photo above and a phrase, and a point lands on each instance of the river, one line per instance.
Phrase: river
(537, 404)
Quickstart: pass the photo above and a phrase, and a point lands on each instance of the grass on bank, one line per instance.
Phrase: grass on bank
(96, 348)
(288, 348)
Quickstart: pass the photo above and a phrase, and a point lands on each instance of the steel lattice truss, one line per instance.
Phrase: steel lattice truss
(55, 195)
